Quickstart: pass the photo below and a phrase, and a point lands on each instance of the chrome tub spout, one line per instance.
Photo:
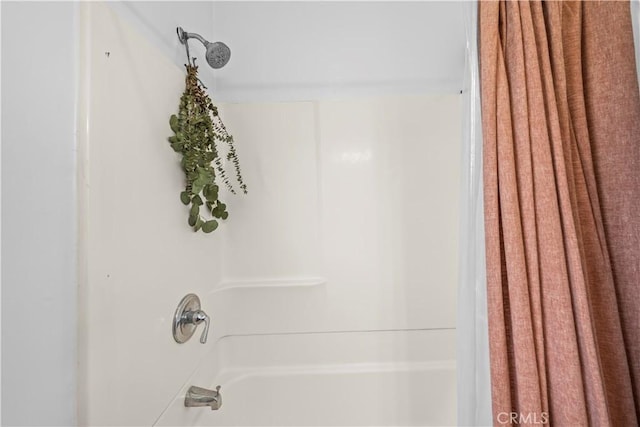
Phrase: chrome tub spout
(198, 397)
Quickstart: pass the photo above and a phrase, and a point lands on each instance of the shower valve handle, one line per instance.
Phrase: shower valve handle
(186, 319)
(196, 317)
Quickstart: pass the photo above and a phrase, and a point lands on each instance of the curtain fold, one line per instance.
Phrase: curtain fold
(561, 131)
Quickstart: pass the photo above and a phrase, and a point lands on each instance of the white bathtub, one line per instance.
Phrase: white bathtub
(326, 379)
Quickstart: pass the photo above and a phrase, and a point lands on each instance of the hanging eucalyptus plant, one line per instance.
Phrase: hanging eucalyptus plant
(198, 131)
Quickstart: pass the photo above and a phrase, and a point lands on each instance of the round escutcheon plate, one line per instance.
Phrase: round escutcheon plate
(182, 331)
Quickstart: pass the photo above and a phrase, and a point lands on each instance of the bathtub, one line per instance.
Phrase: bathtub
(326, 379)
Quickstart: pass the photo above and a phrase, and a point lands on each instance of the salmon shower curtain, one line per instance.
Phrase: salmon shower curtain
(561, 130)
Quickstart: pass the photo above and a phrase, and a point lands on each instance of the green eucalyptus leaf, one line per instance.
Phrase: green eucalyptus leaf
(197, 200)
(210, 193)
(224, 215)
(173, 122)
(197, 185)
(204, 177)
(173, 139)
(184, 198)
(209, 226)
(199, 223)
(195, 209)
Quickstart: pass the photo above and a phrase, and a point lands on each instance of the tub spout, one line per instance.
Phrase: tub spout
(198, 396)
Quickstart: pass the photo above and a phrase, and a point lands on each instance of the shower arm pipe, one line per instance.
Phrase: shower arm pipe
(183, 36)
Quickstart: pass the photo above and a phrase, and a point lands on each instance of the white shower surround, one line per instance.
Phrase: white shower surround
(347, 201)
(328, 379)
(474, 387)
(331, 291)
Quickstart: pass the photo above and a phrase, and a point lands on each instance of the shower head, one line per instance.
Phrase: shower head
(217, 54)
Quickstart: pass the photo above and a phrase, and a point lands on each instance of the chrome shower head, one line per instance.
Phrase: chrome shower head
(218, 53)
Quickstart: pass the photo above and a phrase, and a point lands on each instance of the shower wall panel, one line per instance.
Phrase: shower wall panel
(273, 233)
(336, 304)
(138, 255)
(351, 221)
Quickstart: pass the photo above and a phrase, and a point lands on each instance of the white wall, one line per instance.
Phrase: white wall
(39, 282)
(305, 50)
(139, 256)
(156, 22)
(351, 218)
(349, 229)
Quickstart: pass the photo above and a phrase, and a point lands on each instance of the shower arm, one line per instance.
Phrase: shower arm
(183, 36)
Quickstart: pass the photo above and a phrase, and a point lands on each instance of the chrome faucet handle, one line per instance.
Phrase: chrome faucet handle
(196, 317)
(202, 317)
(187, 317)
